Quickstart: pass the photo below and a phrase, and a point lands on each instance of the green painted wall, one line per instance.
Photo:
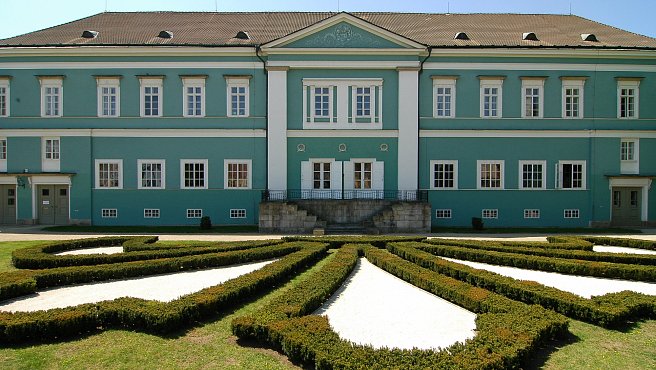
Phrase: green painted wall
(342, 35)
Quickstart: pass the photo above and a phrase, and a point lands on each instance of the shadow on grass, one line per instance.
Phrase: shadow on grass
(540, 356)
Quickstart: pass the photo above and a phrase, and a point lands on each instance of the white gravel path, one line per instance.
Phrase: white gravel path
(376, 308)
(583, 286)
(103, 250)
(163, 288)
(609, 249)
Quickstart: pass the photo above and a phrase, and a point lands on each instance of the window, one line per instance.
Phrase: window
(51, 154)
(628, 150)
(532, 174)
(109, 173)
(532, 97)
(362, 102)
(444, 97)
(109, 213)
(571, 213)
(238, 100)
(237, 213)
(108, 96)
(444, 174)
(491, 97)
(571, 175)
(151, 174)
(573, 97)
(362, 179)
(151, 213)
(627, 97)
(442, 213)
(531, 213)
(193, 174)
(4, 97)
(51, 96)
(490, 174)
(322, 102)
(194, 213)
(490, 213)
(194, 97)
(321, 175)
(237, 173)
(3, 149)
(151, 96)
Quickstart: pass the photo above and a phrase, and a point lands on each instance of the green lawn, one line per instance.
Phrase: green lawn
(153, 229)
(211, 345)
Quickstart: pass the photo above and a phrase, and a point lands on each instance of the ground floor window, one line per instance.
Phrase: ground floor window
(571, 174)
(194, 213)
(442, 213)
(362, 175)
(490, 174)
(151, 213)
(109, 213)
(571, 213)
(109, 173)
(531, 213)
(490, 213)
(237, 213)
(321, 175)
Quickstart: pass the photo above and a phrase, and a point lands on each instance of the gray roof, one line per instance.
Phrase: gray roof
(438, 30)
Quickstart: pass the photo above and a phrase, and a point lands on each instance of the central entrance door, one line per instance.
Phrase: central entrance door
(330, 179)
(627, 206)
(7, 204)
(52, 204)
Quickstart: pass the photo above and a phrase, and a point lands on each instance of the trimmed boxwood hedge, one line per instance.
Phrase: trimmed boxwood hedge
(621, 242)
(508, 331)
(560, 265)
(337, 241)
(560, 243)
(609, 310)
(224, 245)
(633, 259)
(154, 316)
(42, 257)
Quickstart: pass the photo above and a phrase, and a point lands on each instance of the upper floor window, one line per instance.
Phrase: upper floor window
(193, 96)
(629, 155)
(444, 174)
(532, 174)
(109, 173)
(193, 174)
(152, 174)
(152, 96)
(52, 92)
(4, 96)
(491, 97)
(109, 96)
(3, 149)
(573, 97)
(627, 97)
(490, 174)
(532, 97)
(363, 102)
(571, 175)
(322, 102)
(237, 173)
(444, 96)
(238, 96)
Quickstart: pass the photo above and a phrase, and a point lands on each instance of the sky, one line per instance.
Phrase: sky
(22, 16)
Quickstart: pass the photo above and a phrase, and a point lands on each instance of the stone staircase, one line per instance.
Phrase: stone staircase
(284, 217)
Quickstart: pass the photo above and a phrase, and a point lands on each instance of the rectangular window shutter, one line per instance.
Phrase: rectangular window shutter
(306, 176)
(378, 176)
(349, 171)
(336, 176)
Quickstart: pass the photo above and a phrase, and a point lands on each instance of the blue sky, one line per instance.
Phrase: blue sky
(22, 16)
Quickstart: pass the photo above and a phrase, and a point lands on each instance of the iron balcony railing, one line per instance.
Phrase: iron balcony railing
(294, 194)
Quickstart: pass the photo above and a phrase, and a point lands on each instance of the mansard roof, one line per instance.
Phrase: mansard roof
(208, 29)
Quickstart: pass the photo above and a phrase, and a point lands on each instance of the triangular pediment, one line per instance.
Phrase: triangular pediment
(344, 31)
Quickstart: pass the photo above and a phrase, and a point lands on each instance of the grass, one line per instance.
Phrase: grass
(534, 230)
(212, 345)
(153, 229)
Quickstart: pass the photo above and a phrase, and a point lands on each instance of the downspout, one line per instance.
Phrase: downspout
(421, 69)
(258, 49)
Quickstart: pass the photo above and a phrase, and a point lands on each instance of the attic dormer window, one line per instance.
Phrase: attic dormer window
(461, 36)
(88, 34)
(589, 37)
(530, 36)
(242, 35)
(165, 35)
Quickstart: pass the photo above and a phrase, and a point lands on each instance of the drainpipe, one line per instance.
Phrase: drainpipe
(421, 69)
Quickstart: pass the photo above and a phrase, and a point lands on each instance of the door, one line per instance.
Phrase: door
(329, 179)
(626, 205)
(7, 204)
(52, 204)
(321, 179)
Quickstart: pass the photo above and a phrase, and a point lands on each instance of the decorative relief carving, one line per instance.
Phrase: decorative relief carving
(342, 36)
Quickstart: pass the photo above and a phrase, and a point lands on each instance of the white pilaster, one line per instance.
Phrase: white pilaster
(277, 128)
(408, 128)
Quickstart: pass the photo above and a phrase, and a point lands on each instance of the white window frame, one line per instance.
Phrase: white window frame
(141, 162)
(630, 166)
(151, 213)
(50, 164)
(533, 83)
(372, 101)
(573, 83)
(192, 213)
(444, 82)
(238, 213)
(108, 82)
(331, 98)
(150, 81)
(205, 176)
(240, 81)
(490, 213)
(455, 174)
(443, 213)
(573, 213)
(521, 174)
(97, 164)
(559, 171)
(52, 82)
(532, 214)
(492, 82)
(3, 154)
(479, 165)
(628, 83)
(247, 162)
(107, 213)
(5, 105)
(193, 82)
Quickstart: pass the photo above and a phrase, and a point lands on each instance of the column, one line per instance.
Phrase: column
(408, 128)
(277, 128)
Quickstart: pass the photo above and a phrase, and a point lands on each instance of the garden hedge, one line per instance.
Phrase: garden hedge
(42, 257)
(508, 331)
(621, 242)
(338, 241)
(609, 310)
(560, 243)
(154, 316)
